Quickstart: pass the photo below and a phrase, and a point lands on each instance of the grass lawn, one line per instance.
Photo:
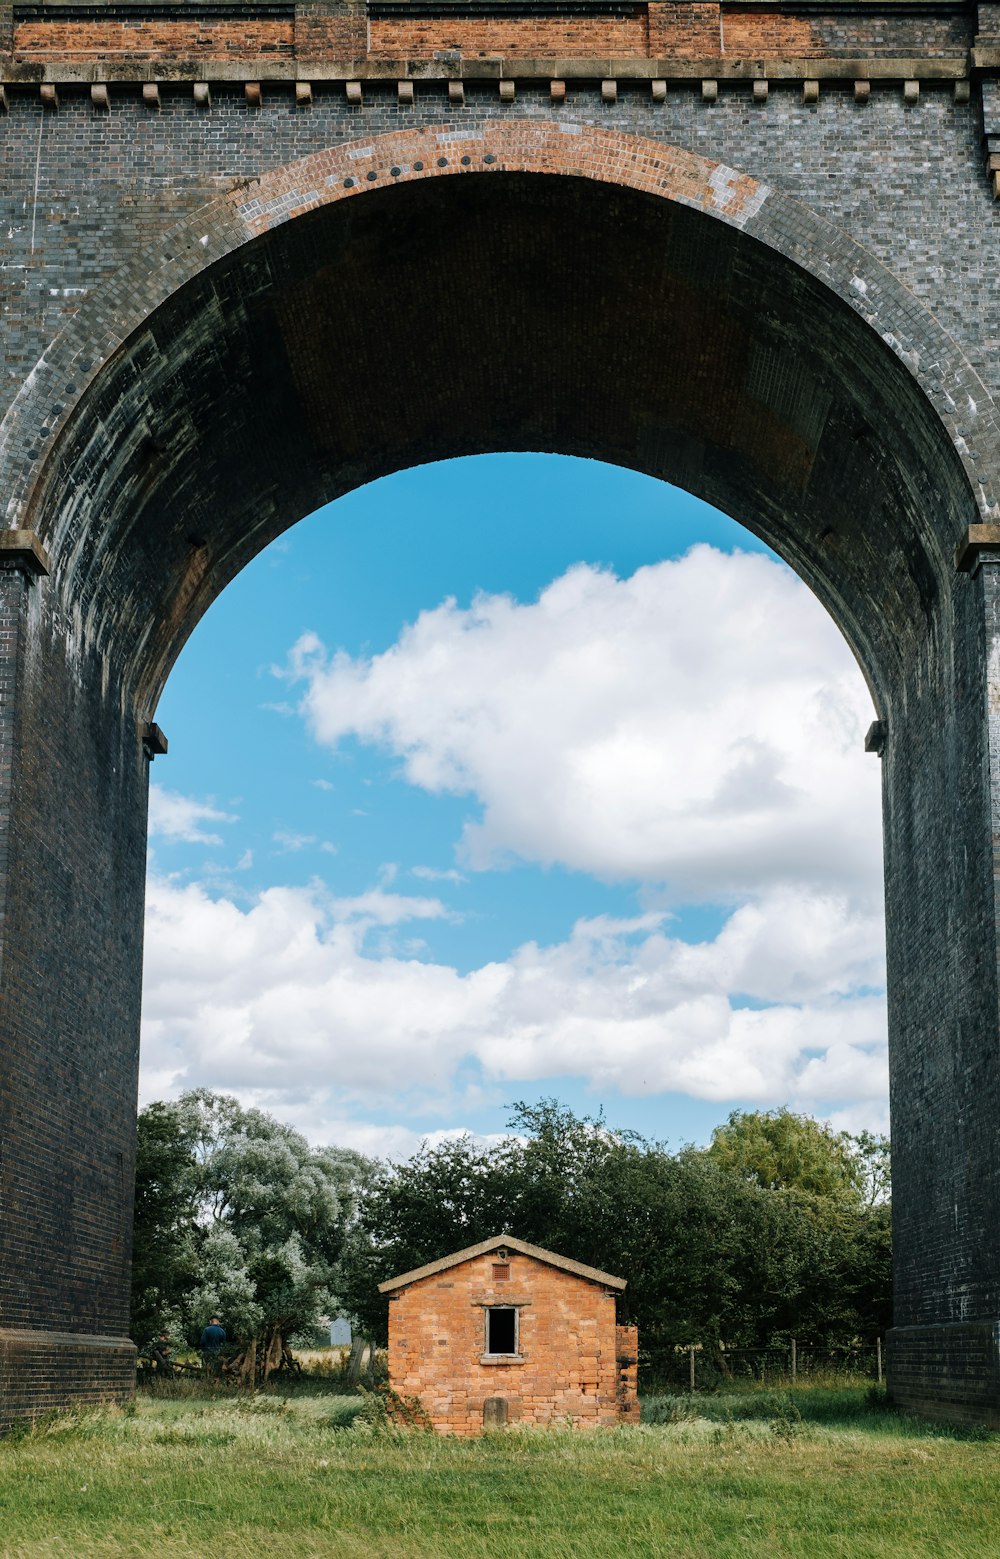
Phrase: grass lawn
(271, 1475)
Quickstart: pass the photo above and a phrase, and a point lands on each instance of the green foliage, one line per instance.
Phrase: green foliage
(708, 1251)
(165, 1247)
(782, 1151)
(235, 1215)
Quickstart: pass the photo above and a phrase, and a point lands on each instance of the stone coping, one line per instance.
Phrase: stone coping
(266, 68)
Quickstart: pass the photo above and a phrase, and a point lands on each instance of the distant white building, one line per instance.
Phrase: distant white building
(340, 1332)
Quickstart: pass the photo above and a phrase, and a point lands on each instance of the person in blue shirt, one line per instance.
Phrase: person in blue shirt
(213, 1340)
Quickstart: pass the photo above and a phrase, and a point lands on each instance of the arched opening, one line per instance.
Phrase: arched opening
(614, 300)
(450, 316)
(510, 768)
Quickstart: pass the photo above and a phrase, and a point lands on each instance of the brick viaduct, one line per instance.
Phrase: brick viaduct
(256, 252)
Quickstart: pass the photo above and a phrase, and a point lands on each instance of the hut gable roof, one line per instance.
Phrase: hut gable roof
(505, 1242)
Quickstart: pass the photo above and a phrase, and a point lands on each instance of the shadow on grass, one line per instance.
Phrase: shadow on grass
(864, 1408)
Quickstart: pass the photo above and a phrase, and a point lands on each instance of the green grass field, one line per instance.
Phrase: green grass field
(806, 1474)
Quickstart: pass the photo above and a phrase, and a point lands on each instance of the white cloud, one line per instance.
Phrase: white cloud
(181, 819)
(289, 843)
(285, 1001)
(700, 724)
(697, 728)
(378, 908)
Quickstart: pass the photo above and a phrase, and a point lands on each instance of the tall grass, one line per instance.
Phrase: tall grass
(757, 1475)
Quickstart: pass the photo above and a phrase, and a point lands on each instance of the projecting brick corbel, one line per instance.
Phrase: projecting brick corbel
(404, 93)
(151, 94)
(353, 91)
(979, 540)
(202, 94)
(253, 94)
(3, 99)
(990, 88)
(760, 91)
(609, 91)
(507, 91)
(100, 96)
(154, 743)
(875, 738)
(862, 92)
(49, 96)
(709, 91)
(303, 94)
(456, 94)
(810, 91)
(22, 549)
(557, 91)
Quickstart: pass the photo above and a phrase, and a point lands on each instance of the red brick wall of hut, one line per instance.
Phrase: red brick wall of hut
(567, 1365)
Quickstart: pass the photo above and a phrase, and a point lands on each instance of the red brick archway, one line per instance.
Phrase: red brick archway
(500, 146)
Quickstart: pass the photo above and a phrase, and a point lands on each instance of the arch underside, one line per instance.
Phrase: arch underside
(507, 311)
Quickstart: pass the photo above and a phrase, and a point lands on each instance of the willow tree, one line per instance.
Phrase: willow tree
(262, 1216)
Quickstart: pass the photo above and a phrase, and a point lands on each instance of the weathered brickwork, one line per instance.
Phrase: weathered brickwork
(323, 32)
(519, 37)
(811, 36)
(688, 29)
(753, 252)
(117, 36)
(151, 39)
(569, 1362)
(44, 1370)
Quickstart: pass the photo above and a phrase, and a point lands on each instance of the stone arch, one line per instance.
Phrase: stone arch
(525, 284)
(845, 324)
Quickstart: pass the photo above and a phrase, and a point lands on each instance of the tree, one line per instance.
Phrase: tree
(165, 1241)
(782, 1151)
(874, 1158)
(708, 1251)
(259, 1216)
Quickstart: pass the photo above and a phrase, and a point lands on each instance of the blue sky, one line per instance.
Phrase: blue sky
(479, 788)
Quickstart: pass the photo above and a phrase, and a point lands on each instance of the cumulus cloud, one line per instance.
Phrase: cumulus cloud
(699, 724)
(182, 819)
(287, 1003)
(695, 729)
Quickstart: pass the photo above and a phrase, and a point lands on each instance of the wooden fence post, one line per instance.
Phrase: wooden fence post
(794, 1361)
(878, 1358)
(691, 1366)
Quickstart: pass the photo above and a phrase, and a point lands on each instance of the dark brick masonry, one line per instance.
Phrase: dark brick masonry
(767, 275)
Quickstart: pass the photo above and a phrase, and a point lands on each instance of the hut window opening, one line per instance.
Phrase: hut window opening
(501, 1329)
(501, 1271)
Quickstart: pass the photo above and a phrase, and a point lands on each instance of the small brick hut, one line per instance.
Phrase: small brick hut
(505, 1332)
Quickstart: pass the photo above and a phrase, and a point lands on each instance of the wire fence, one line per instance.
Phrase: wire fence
(699, 1368)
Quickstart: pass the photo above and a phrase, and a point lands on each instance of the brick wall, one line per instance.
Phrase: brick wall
(760, 34)
(567, 1368)
(948, 1372)
(341, 30)
(687, 29)
(43, 1370)
(152, 38)
(627, 1346)
(331, 32)
(528, 37)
